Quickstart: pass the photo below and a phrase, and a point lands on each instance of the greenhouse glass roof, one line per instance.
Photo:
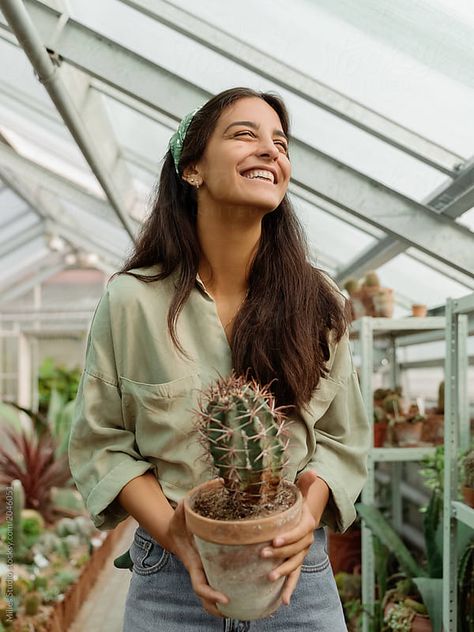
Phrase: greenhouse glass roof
(381, 97)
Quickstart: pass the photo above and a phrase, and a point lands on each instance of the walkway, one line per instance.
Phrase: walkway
(106, 601)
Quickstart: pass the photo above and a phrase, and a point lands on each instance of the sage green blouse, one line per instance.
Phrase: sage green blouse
(133, 410)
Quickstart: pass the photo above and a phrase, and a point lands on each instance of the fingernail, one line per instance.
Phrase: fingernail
(278, 541)
(273, 576)
(267, 552)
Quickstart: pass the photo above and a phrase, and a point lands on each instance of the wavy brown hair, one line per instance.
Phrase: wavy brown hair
(281, 331)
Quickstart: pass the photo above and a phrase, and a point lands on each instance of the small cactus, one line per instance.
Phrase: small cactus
(469, 470)
(18, 506)
(371, 279)
(351, 286)
(32, 603)
(441, 398)
(392, 404)
(244, 435)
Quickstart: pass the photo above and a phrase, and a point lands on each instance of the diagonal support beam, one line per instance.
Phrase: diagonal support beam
(50, 76)
(18, 289)
(331, 180)
(300, 84)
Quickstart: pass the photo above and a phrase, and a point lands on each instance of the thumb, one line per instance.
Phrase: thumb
(305, 481)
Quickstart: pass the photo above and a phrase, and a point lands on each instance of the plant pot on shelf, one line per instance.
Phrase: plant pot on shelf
(419, 622)
(468, 495)
(383, 302)
(230, 554)
(418, 310)
(344, 550)
(433, 429)
(407, 434)
(380, 433)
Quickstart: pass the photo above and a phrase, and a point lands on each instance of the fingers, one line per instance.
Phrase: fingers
(290, 586)
(288, 566)
(306, 525)
(284, 552)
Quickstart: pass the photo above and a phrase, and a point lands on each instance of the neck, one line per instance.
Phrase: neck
(229, 241)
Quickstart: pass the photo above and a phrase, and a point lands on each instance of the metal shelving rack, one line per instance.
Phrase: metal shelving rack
(367, 329)
(456, 436)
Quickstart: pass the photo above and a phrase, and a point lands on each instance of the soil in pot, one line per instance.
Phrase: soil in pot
(230, 550)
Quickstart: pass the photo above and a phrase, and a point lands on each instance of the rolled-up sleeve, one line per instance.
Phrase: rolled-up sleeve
(341, 437)
(103, 455)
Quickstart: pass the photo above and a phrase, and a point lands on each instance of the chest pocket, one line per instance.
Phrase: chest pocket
(160, 415)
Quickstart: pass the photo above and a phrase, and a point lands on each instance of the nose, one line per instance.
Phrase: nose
(267, 149)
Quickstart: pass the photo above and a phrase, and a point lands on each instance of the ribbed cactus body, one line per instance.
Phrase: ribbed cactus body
(18, 505)
(243, 433)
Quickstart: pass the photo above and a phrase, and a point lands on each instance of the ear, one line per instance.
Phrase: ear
(191, 172)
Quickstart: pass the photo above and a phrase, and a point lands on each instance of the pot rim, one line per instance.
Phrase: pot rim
(246, 530)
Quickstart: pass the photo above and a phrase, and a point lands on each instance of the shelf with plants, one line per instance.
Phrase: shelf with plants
(458, 514)
(410, 435)
(48, 544)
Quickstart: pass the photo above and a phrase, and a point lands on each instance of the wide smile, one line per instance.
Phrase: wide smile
(260, 175)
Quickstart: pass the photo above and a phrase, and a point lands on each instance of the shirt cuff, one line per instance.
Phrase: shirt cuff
(105, 510)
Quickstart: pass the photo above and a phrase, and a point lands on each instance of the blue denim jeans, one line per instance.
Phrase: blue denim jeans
(161, 599)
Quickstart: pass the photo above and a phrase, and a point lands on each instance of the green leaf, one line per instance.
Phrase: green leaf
(387, 535)
(431, 591)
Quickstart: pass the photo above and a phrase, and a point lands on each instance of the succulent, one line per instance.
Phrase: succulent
(469, 469)
(441, 398)
(351, 286)
(32, 602)
(66, 526)
(243, 434)
(371, 279)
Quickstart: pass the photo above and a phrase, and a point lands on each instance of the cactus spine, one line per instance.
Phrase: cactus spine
(243, 433)
(18, 506)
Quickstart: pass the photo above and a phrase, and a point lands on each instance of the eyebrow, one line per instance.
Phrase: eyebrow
(277, 132)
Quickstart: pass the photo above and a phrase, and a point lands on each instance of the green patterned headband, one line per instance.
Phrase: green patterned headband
(177, 140)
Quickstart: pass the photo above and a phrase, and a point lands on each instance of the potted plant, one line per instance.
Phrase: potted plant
(433, 428)
(468, 481)
(378, 300)
(235, 516)
(357, 306)
(418, 310)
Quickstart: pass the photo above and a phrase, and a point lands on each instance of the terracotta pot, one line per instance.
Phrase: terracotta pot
(433, 429)
(344, 550)
(230, 554)
(468, 495)
(383, 303)
(408, 434)
(380, 432)
(419, 311)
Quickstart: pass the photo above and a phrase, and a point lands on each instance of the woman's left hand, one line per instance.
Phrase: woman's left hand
(293, 545)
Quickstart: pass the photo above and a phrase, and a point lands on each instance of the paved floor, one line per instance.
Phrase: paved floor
(103, 609)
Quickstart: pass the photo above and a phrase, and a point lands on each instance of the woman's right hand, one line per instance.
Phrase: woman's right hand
(180, 543)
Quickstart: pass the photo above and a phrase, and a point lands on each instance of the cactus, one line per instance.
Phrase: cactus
(32, 603)
(371, 279)
(469, 469)
(351, 286)
(441, 398)
(18, 506)
(243, 434)
(392, 404)
(379, 414)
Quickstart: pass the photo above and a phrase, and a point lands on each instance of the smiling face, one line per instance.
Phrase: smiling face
(245, 163)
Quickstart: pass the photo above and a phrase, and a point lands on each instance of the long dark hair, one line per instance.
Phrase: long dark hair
(281, 331)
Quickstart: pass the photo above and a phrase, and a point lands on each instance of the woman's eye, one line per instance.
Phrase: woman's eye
(284, 146)
(244, 133)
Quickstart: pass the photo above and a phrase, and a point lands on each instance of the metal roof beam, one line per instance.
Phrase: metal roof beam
(300, 84)
(329, 179)
(41, 275)
(450, 200)
(50, 75)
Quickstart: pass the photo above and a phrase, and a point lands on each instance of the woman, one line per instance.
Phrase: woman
(219, 279)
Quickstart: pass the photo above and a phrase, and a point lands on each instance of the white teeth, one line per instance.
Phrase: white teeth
(257, 173)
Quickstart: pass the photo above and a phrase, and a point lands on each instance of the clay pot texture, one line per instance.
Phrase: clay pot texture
(468, 495)
(419, 311)
(408, 434)
(345, 551)
(380, 432)
(230, 554)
